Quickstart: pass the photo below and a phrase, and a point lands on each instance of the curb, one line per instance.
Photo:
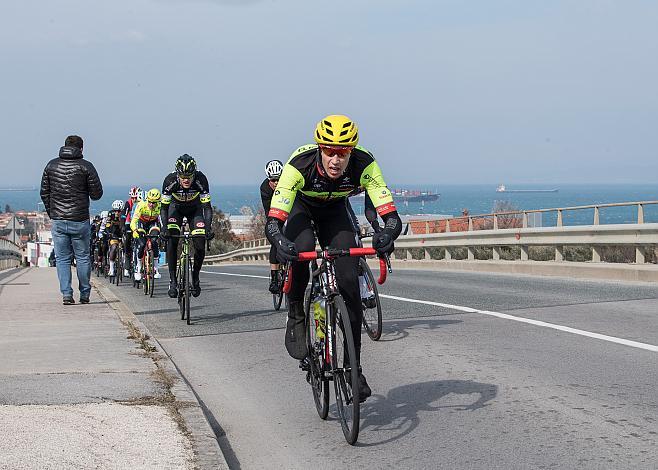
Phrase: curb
(207, 450)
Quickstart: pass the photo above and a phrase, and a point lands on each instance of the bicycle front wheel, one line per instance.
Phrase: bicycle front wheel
(345, 369)
(316, 353)
(372, 316)
(188, 274)
(151, 275)
(180, 277)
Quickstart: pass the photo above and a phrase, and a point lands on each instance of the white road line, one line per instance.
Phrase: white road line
(233, 274)
(567, 329)
(611, 339)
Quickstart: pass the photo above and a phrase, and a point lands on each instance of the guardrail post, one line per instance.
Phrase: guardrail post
(471, 253)
(409, 257)
(448, 255)
(496, 253)
(640, 255)
(559, 218)
(596, 215)
(559, 253)
(524, 252)
(596, 254)
(640, 213)
(525, 219)
(427, 254)
(495, 222)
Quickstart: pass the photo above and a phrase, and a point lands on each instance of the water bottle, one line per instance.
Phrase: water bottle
(319, 315)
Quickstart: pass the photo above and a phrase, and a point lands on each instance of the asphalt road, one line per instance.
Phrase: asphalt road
(505, 372)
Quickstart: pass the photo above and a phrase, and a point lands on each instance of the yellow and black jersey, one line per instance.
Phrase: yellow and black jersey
(304, 174)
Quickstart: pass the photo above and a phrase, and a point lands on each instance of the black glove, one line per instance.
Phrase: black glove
(164, 234)
(383, 242)
(210, 235)
(286, 250)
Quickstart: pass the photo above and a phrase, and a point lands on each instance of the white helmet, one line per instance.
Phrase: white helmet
(104, 214)
(140, 194)
(117, 205)
(273, 169)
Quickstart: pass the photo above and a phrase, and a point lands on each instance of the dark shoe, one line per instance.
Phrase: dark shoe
(84, 300)
(173, 289)
(364, 388)
(196, 287)
(370, 302)
(68, 301)
(295, 339)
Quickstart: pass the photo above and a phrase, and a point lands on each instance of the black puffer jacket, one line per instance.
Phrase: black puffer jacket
(67, 184)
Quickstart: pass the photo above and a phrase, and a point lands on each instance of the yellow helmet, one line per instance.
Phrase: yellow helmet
(337, 130)
(153, 195)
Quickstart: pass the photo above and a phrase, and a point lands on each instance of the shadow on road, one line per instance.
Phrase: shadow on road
(227, 317)
(399, 410)
(396, 330)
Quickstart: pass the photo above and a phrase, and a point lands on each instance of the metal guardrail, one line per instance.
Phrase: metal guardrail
(642, 236)
(10, 254)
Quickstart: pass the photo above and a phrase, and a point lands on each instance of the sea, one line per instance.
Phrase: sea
(453, 199)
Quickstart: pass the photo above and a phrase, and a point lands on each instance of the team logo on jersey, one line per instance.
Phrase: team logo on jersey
(200, 224)
(171, 219)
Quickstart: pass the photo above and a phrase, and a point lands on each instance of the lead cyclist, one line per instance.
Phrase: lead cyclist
(312, 190)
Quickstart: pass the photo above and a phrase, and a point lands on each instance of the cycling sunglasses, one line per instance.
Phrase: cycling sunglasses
(335, 150)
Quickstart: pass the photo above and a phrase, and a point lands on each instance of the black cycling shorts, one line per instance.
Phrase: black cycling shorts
(194, 214)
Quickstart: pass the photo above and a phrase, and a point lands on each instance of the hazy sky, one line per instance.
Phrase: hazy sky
(453, 91)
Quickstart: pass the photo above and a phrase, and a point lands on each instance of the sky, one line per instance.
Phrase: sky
(443, 91)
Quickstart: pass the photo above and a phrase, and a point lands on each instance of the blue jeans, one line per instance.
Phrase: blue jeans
(72, 238)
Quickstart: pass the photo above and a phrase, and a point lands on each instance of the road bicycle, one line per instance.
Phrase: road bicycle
(331, 350)
(114, 278)
(148, 268)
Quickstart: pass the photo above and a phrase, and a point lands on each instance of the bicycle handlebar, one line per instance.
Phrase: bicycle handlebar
(331, 253)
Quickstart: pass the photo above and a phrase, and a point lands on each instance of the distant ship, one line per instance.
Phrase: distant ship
(410, 195)
(502, 189)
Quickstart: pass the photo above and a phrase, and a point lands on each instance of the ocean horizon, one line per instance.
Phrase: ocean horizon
(477, 198)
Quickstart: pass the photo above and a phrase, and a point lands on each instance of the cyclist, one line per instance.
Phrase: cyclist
(101, 243)
(95, 225)
(111, 231)
(134, 196)
(185, 193)
(273, 170)
(312, 188)
(146, 219)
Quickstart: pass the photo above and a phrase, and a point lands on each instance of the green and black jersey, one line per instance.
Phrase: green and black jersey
(304, 174)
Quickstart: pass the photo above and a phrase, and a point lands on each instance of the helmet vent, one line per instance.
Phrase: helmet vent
(347, 124)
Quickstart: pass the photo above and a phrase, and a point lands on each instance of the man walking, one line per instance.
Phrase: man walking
(66, 186)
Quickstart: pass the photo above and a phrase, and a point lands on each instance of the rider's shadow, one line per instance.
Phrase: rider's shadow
(398, 411)
(395, 330)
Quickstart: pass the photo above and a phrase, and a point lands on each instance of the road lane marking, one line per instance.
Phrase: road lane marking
(567, 329)
(233, 274)
(612, 339)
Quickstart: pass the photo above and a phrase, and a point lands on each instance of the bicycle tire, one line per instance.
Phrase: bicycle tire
(277, 298)
(151, 274)
(181, 286)
(372, 317)
(347, 398)
(316, 377)
(187, 289)
(119, 265)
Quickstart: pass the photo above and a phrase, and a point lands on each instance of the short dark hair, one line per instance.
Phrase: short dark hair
(74, 141)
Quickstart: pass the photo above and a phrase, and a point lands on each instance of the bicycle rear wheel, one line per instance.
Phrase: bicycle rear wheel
(345, 369)
(118, 266)
(372, 317)
(145, 272)
(316, 351)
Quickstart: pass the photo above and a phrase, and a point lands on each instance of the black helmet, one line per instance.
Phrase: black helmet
(186, 166)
